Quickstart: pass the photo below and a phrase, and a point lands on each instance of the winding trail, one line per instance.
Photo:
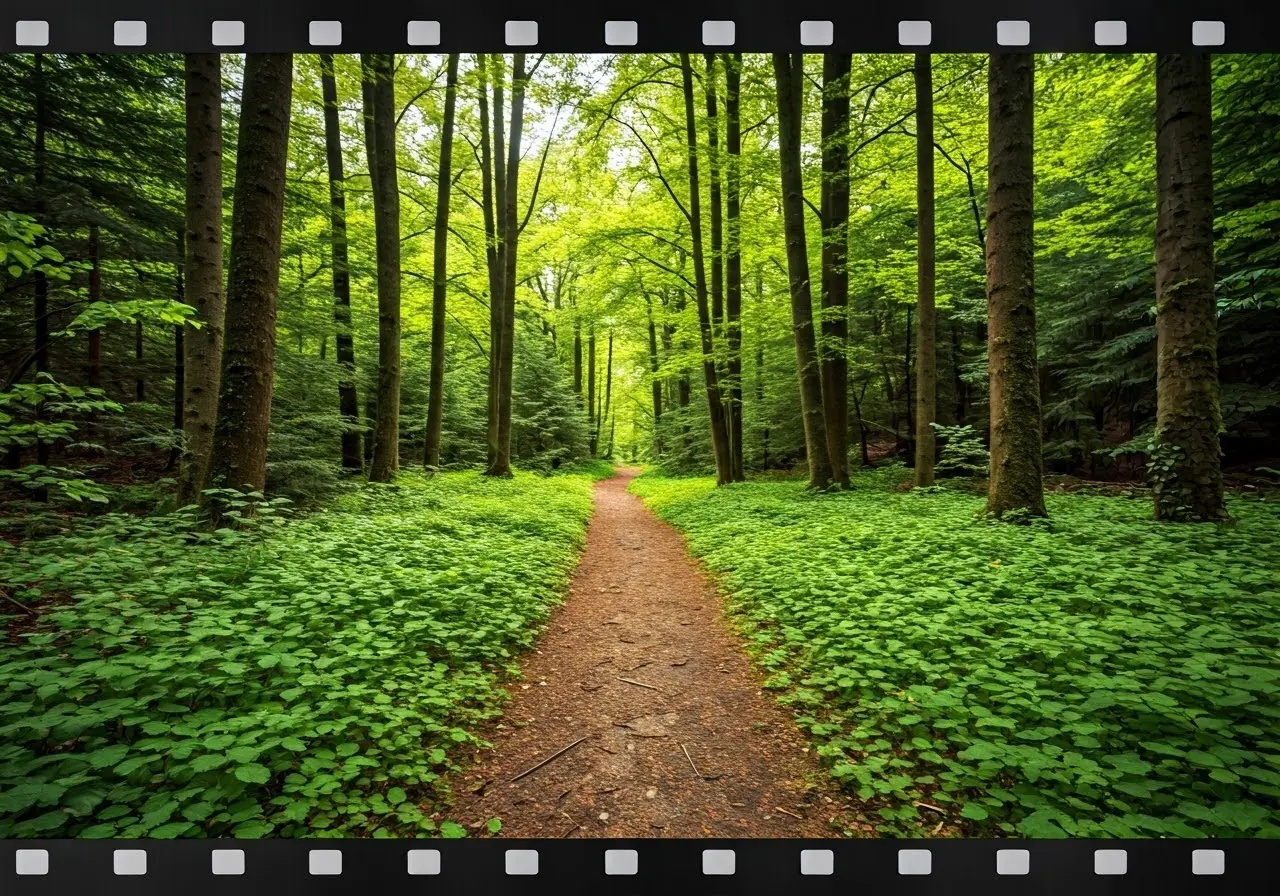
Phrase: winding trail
(640, 609)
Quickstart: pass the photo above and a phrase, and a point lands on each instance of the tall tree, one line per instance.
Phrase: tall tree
(654, 367)
(789, 73)
(379, 74)
(1016, 462)
(440, 268)
(833, 362)
(715, 403)
(733, 260)
(348, 401)
(508, 196)
(1186, 460)
(202, 259)
(926, 316)
(253, 283)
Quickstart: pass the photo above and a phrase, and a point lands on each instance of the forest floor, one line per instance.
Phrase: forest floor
(640, 714)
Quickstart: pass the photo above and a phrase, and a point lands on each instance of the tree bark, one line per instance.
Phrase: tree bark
(926, 315)
(709, 85)
(833, 362)
(789, 72)
(179, 348)
(733, 261)
(1187, 459)
(1016, 461)
(348, 401)
(508, 195)
(440, 275)
(379, 68)
(715, 403)
(656, 384)
(248, 368)
(40, 302)
(592, 429)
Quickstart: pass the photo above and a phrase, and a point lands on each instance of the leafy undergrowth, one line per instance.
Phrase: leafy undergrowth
(1102, 675)
(313, 678)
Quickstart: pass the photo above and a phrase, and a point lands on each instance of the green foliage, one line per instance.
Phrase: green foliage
(963, 452)
(547, 427)
(1112, 677)
(312, 676)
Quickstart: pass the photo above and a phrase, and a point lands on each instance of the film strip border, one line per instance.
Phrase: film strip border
(792, 867)
(554, 26)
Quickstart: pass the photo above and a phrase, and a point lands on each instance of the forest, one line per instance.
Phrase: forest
(933, 397)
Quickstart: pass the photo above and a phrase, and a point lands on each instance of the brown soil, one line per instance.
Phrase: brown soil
(640, 609)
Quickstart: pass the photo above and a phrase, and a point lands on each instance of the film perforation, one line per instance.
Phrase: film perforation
(1125, 25)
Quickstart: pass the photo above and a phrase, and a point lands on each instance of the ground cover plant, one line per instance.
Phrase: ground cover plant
(1104, 675)
(316, 676)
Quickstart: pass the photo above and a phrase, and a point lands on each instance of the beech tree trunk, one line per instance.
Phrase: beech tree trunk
(179, 349)
(1187, 460)
(789, 72)
(926, 316)
(733, 262)
(716, 196)
(492, 255)
(1016, 461)
(715, 402)
(348, 401)
(833, 364)
(379, 73)
(440, 273)
(249, 347)
(40, 303)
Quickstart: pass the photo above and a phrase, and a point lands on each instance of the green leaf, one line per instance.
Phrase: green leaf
(253, 773)
(974, 812)
(451, 830)
(252, 830)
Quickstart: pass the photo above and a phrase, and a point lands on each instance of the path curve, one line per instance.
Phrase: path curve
(640, 609)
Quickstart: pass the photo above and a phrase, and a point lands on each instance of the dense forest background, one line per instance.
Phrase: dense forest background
(569, 177)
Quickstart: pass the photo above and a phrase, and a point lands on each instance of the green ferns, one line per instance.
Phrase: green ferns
(1111, 677)
(312, 678)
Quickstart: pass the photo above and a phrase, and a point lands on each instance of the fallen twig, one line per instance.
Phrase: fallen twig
(682, 662)
(787, 812)
(652, 687)
(554, 755)
(22, 607)
(641, 666)
(571, 830)
(934, 808)
(690, 758)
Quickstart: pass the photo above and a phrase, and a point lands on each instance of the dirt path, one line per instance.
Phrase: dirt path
(640, 609)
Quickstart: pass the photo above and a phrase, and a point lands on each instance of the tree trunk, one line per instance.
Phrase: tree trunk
(508, 195)
(248, 369)
(709, 84)
(1187, 459)
(348, 402)
(203, 261)
(591, 387)
(179, 351)
(379, 69)
(654, 366)
(926, 316)
(608, 386)
(492, 259)
(40, 302)
(789, 72)
(834, 365)
(733, 262)
(715, 403)
(440, 274)
(1016, 461)
(577, 357)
